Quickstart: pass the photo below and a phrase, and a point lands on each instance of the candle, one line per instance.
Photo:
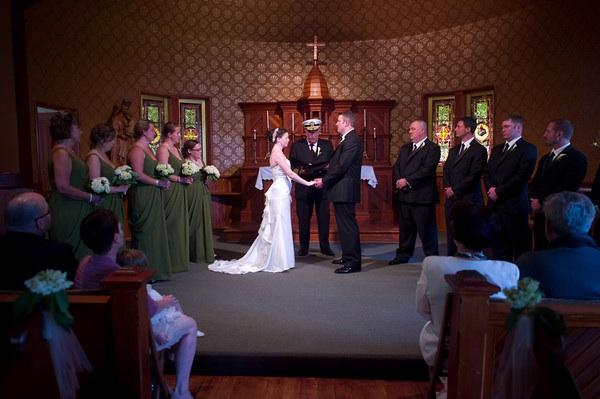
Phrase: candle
(267, 120)
(374, 132)
(293, 122)
(254, 134)
(365, 118)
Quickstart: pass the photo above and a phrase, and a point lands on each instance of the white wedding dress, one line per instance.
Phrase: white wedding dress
(273, 249)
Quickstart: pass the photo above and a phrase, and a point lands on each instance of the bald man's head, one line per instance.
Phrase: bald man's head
(27, 213)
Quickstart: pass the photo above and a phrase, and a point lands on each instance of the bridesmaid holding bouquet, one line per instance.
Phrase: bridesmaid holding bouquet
(102, 140)
(199, 203)
(146, 214)
(174, 199)
(69, 202)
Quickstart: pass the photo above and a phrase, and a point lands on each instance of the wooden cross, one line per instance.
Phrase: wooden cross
(315, 45)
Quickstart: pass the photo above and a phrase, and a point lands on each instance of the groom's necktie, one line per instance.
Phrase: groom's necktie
(312, 147)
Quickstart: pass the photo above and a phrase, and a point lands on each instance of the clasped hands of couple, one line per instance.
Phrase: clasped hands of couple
(318, 182)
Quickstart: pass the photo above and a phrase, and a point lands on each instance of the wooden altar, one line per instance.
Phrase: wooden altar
(375, 211)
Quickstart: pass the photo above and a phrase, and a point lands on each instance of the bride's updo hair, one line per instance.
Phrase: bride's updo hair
(276, 133)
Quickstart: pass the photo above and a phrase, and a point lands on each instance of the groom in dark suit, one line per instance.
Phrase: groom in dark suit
(309, 158)
(342, 187)
(506, 176)
(562, 169)
(462, 172)
(414, 177)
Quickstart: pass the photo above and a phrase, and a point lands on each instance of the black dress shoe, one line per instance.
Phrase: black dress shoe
(338, 261)
(302, 252)
(347, 269)
(397, 261)
(327, 251)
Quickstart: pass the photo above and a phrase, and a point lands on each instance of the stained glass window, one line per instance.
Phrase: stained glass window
(154, 109)
(441, 122)
(442, 109)
(481, 107)
(192, 119)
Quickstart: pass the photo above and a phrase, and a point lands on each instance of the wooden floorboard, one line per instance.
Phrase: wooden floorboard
(234, 387)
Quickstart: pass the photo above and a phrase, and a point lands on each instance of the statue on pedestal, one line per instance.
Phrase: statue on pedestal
(122, 121)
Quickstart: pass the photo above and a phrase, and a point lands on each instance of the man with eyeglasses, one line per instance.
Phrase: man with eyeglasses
(24, 248)
(310, 158)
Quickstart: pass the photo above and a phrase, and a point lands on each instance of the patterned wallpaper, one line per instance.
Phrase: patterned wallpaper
(540, 56)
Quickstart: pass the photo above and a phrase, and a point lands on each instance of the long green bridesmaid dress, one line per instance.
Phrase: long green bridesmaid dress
(201, 234)
(67, 213)
(112, 202)
(147, 222)
(176, 217)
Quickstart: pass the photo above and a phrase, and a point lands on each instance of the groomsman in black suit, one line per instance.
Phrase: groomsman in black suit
(414, 177)
(562, 169)
(342, 187)
(506, 176)
(310, 159)
(462, 172)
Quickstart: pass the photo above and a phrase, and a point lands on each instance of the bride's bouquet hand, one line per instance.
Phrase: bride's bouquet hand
(311, 183)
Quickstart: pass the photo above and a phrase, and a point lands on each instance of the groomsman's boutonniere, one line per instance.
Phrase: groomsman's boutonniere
(318, 150)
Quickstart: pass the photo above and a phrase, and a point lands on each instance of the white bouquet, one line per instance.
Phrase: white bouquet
(48, 282)
(211, 172)
(189, 168)
(124, 175)
(164, 170)
(100, 185)
(46, 289)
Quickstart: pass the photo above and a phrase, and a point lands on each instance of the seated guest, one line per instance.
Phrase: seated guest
(473, 229)
(570, 267)
(170, 327)
(102, 233)
(25, 249)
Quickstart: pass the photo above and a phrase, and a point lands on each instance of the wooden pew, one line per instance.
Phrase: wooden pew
(476, 334)
(112, 326)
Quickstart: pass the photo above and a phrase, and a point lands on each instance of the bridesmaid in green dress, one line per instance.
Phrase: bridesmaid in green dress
(146, 215)
(174, 199)
(102, 139)
(199, 203)
(69, 201)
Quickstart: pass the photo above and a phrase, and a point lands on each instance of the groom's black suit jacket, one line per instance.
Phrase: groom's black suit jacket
(342, 187)
(342, 181)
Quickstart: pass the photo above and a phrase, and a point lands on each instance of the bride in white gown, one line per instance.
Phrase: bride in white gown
(273, 249)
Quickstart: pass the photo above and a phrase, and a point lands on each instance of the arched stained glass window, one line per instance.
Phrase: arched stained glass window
(481, 107)
(155, 110)
(441, 122)
(192, 119)
(444, 108)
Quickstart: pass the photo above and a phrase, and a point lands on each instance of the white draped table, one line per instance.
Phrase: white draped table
(366, 173)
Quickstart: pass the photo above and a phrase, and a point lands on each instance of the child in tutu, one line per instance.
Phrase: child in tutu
(170, 326)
